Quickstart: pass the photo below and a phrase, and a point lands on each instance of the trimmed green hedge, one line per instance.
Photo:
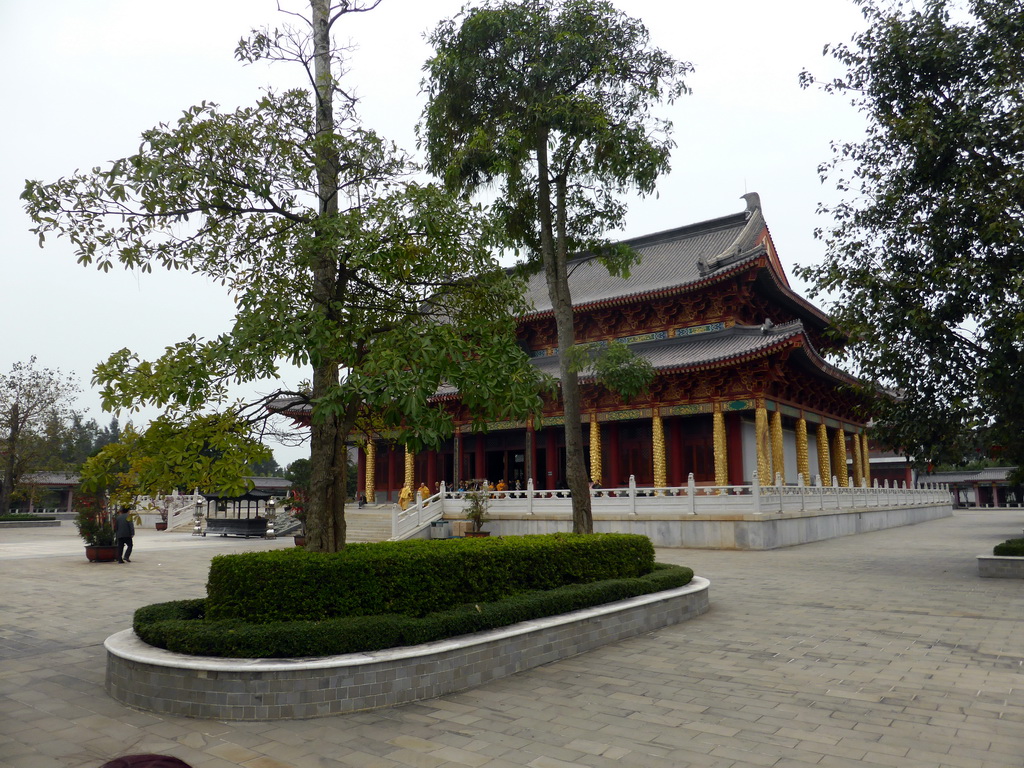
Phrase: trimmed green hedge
(1010, 548)
(184, 627)
(413, 578)
(18, 517)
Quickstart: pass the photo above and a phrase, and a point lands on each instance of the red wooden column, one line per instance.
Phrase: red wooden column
(674, 427)
(481, 458)
(361, 471)
(734, 447)
(613, 455)
(431, 469)
(392, 469)
(531, 454)
(551, 473)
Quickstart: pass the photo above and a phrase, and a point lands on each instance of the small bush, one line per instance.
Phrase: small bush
(180, 626)
(1010, 548)
(413, 578)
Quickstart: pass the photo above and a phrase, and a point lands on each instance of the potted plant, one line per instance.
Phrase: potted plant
(160, 507)
(476, 511)
(96, 529)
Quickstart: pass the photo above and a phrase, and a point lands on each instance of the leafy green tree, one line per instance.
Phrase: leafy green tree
(268, 468)
(211, 452)
(36, 405)
(298, 473)
(925, 258)
(82, 439)
(553, 98)
(331, 253)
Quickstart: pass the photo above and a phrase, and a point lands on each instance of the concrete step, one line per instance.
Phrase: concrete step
(367, 525)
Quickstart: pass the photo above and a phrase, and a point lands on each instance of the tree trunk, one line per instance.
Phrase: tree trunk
(325, 517)
(554, 259)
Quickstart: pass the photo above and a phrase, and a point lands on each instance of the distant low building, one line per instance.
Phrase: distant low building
(988, 487)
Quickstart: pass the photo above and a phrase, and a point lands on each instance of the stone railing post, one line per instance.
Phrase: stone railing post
(755, 490)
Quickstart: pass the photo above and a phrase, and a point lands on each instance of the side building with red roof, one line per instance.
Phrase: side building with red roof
(741, 383)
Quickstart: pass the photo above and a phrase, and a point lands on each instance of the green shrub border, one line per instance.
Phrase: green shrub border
(26, 518)
(181, 626)
(1009, 548)
(417, 577)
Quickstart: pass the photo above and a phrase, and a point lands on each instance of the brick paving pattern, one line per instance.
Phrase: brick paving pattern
(884, 649)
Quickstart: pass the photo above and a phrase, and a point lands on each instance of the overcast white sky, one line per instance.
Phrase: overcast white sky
(83, 79)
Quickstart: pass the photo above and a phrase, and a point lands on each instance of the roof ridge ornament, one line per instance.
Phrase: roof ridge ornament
(736, 251)
(753, 203)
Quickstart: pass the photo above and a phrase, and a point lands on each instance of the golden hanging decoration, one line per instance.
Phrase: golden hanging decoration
(839, 458)
(778, 452)
(858, 464)
(824, 460)
(721, 449)
(660, 475)
(865, 457)
(371, 472)
(803, 463)
(410, 469)
(595, 450)
(764, 468)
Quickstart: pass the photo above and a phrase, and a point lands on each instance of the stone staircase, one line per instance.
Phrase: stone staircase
(368, 524)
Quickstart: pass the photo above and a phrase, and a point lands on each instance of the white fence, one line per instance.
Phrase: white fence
(673, 502)
(180, 508)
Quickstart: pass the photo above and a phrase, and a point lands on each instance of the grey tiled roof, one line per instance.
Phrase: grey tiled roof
(668, 260)
(986, 475)
(734, 343)
(52, 479)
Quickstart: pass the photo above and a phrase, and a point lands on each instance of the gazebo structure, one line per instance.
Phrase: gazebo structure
(741, 384)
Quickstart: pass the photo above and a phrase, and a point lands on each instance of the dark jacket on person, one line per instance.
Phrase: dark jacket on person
(124, 528)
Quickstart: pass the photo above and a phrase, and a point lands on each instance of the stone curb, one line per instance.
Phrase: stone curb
(156, 680)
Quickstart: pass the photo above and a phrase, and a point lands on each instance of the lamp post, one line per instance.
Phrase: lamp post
(271, 517)
(197, 528)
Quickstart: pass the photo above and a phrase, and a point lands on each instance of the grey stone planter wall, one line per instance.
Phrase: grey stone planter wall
(269, 689)
(998, 567)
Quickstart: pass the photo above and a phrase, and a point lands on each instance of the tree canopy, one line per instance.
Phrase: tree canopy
(384, 288)
(36, 408)
(553, 98)
(925, 256)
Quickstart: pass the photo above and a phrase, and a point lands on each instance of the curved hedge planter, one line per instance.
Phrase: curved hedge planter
(1000, 567)
(270, 689)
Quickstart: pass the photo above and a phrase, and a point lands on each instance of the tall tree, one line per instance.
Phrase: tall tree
(36, 405)
(331, 253)
(554, 98)
(925, 258)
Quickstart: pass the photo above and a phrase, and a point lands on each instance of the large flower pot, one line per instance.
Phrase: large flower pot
(477, 534)
(300, 540)
(161, 526)
(101, 553)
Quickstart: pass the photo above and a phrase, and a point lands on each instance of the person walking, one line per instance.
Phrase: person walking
(124, 531)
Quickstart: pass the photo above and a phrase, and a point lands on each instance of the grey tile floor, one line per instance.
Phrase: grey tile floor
(883, 649)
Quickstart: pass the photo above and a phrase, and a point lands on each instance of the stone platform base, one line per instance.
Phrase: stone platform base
(731, 531)
(999, 567)
(144, 677)
(29, 524)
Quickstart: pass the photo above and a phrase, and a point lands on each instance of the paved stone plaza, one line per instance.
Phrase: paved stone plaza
(881, 649)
